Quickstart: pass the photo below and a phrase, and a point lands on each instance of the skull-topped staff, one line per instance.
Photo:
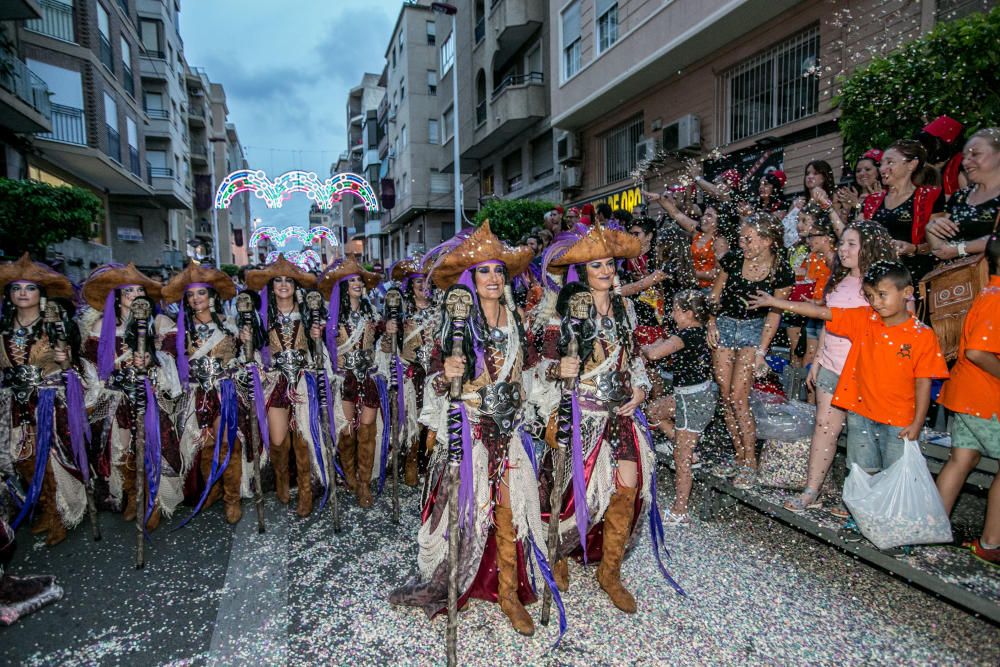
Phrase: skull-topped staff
(318, 315)
(245, 309)
(393, 313)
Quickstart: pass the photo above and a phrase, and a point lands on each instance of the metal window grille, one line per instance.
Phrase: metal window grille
(571, 59)
(773, 88)
(607, 28)
(949, 10)
(619, 149)
(56, 21)
(67, 125)
(114, 148)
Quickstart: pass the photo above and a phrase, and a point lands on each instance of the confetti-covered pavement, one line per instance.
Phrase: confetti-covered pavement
(758, 593)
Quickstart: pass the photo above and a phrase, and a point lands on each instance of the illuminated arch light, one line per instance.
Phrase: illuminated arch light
(281, 237)
(307, 260)
(274, 193)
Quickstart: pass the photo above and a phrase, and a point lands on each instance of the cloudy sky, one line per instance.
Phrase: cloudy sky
(287, 74)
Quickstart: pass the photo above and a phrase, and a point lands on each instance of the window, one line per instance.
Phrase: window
(571, 40)
(447, 120)
(432, 82)
(533, 61)
(393, 58)
(431, 33)
(404, 184)
(542, 165)
(402, 89)
(158, 164)
(104, 26)
(402, 137)
(114, 144)
(773, 88)
(619, 149)
(127, 77)
(512, 171)
(150, 33)
(486, 185)
(399, 41)
(607, 23)
(447, 54)
(440, 183)
(66, 88)
(432, 131)
(133, 146)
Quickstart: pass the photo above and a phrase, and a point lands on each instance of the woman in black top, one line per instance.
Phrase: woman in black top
(742, 335)
(971, 213)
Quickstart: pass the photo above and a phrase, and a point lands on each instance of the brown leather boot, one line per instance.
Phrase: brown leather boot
(127, 471)
(303, 470)
(560, 572)
(511, 605)
(26, 469)
(347, 446)
(617, 521)
(366, 461)
(154, 519)
(231, 479)
(279, 461)
(206, 470)
(411, 476)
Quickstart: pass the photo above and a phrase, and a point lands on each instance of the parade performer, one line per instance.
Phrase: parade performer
(288, 330)
(609, 480)
(19, 595)
(206, 348)
(114, 387)
(44, 419)
(415, 343)
(361, 398)
(497, 498)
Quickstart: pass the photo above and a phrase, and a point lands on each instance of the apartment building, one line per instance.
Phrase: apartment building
(753, 78)
(502, 58)
(24, 96)
(239, 220)
(363, 158)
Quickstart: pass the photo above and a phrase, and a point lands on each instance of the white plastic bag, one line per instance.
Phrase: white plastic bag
(778, 418)
(899, 505)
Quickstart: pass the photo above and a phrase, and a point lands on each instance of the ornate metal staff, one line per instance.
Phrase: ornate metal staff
(580, 307)
(141, 311)
(393, 311)
(317, 315)
(458, 304)
(245, 309)
(54, 321)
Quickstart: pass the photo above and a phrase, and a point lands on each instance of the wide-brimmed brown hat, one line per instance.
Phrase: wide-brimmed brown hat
(198, 273)
(405, 268)
(258, 278)
(55, 284)
(482, 245)
(104, 279)
(342, 269)
(598, 243)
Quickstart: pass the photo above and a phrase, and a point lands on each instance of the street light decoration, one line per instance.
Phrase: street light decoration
(281, 237)
(274, 193)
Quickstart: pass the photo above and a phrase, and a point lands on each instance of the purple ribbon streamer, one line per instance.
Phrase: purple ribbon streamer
(180, 345)
(314, 431)
(44, 420)
(466, 492)
(76, 412)
(227, 426)
(333, 321)
(259, 405)
(579, 477)
(550, 581)
(153, 459)
(383, 399)
(332, 421)
(265, 352)
(529, 448)
(655, 520)
(107, 348)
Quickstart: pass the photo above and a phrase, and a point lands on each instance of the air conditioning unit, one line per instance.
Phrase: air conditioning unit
(571, 178)
(568, 147)
(645, 150)
(683, 134)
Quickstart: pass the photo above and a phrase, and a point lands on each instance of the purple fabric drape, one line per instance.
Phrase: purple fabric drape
(79, 433)
(383, 399)
(180, 346)
(259, 406)
(579, 478)
(153, 458)
(315, 431)
(332, 420)
(107, 350)
(466, 490)
(45, 422)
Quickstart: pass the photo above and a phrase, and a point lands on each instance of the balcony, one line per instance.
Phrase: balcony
(128, 80)
(514, 21)
(133, 161)
(196, 115)
(56, 21)
(20, 10)
(167, 189)
(199, 154)
(517, 103)
(24, 97)
(67, 126)
(153, 65)
(114, 147)
(159, 123)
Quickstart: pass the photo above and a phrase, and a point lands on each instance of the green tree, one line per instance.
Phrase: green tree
(953, 70)
(230, 270)
(511, 219)
(35, 215)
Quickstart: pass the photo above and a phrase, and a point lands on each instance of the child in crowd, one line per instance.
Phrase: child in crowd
(802, 290)
(886, 382)
(973, 393)
(683, 416)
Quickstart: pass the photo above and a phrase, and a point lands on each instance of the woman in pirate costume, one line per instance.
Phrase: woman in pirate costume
(44, 421)
(208, 414)
(290, 337)
(498, 491)
(352, 329)
(415, 343)
(111, 361)
(608, 480)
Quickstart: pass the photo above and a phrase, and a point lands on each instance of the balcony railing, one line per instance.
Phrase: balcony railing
(481, 112)
(159, 55)
(133, 161)
(114, 148)
(480, 30)
(56, 21)
(124, 5)
(25, 84)
(159, 114)
(149, 173)
(67, 126)
(161, 172)
(128, 80)
(518, 80)
(106, 57)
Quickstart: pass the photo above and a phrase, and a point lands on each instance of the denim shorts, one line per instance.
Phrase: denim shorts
(695, 406)
(872, 445)
(736, 334)
(813, 327)
(827, 380)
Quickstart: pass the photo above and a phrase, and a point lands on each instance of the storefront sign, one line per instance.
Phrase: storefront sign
(626, 199)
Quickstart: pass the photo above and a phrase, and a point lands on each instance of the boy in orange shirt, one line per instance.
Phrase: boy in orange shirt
(973, 394)
(886, 382)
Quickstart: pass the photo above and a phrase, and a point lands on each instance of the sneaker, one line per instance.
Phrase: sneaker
(990, 556)
(745, 479)
(671, 520)
(664, 447)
